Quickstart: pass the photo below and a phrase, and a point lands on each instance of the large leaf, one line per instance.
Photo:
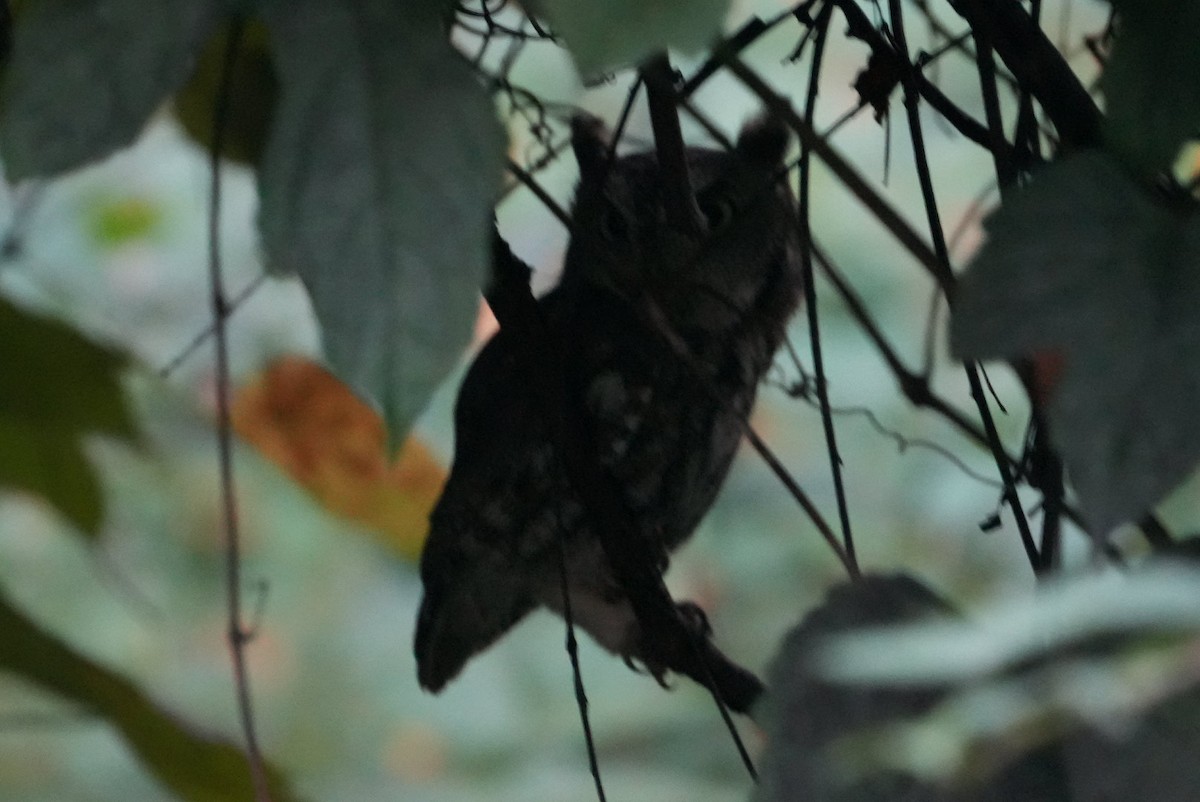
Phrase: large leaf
(195, 766)
(377, 187)
(297, 415)
(55, 387)
(84, 77)
(614, 33)
(1151, 82)
(1087, 263)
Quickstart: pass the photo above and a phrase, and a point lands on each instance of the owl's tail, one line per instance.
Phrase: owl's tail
(460, 618)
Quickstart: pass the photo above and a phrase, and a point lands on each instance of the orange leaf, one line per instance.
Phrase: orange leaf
(300, 417)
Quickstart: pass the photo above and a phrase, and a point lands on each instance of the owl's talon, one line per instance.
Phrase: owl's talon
(694, 618)
(640, 666)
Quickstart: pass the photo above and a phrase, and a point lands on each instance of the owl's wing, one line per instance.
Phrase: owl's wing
(667, 435)
(475, 565)
(462, 614)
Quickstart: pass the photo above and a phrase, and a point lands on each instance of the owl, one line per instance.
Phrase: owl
(664, 429)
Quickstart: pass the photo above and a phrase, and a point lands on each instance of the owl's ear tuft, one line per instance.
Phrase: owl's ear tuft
(589, 140)
(764, 139)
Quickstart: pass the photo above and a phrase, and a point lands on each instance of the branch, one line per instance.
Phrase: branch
(679, 201)
(1038, 67)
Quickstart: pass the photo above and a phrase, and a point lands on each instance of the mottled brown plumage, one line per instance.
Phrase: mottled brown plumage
(666, 435)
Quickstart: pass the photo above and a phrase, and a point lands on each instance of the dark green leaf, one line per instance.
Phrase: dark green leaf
(1087, 264)
(377, 188)
(195, 766)
(1151, 82)
(602, 34)
(1157, 751)
(55, 387)
(84, 77)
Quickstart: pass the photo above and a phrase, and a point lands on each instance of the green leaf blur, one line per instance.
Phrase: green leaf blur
(117, 221)
(196, 767)
(57, 387)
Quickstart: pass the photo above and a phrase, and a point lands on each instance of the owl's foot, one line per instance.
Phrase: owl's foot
(695, 621)
(694, 618)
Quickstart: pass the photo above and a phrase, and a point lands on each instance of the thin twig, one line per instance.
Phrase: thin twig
(904, 443)
(810, 509)
(697, 643)
(655, 318)
(821, 26)
(622, 121)
(913, 386)
(539, 191)
(860, 27)
(572, 647)
(732, 45)
(924, 177)
(803, 391)
(202, 336)
(683, 215)
(846, 173)
(236, 632)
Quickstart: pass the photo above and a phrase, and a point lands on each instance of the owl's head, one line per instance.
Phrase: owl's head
(621, 233)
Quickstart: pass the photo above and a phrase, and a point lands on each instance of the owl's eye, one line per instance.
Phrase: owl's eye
(718, 210)
(613, 227)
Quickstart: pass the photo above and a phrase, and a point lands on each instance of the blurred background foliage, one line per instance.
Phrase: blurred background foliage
(333, 530)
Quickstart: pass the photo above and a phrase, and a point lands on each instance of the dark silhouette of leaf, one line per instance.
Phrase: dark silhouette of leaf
(1149, 82)
(1089, 264)
(377, 187)
(196, 767)
(1153, 757)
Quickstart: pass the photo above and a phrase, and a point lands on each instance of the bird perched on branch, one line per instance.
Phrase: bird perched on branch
(663, 429)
